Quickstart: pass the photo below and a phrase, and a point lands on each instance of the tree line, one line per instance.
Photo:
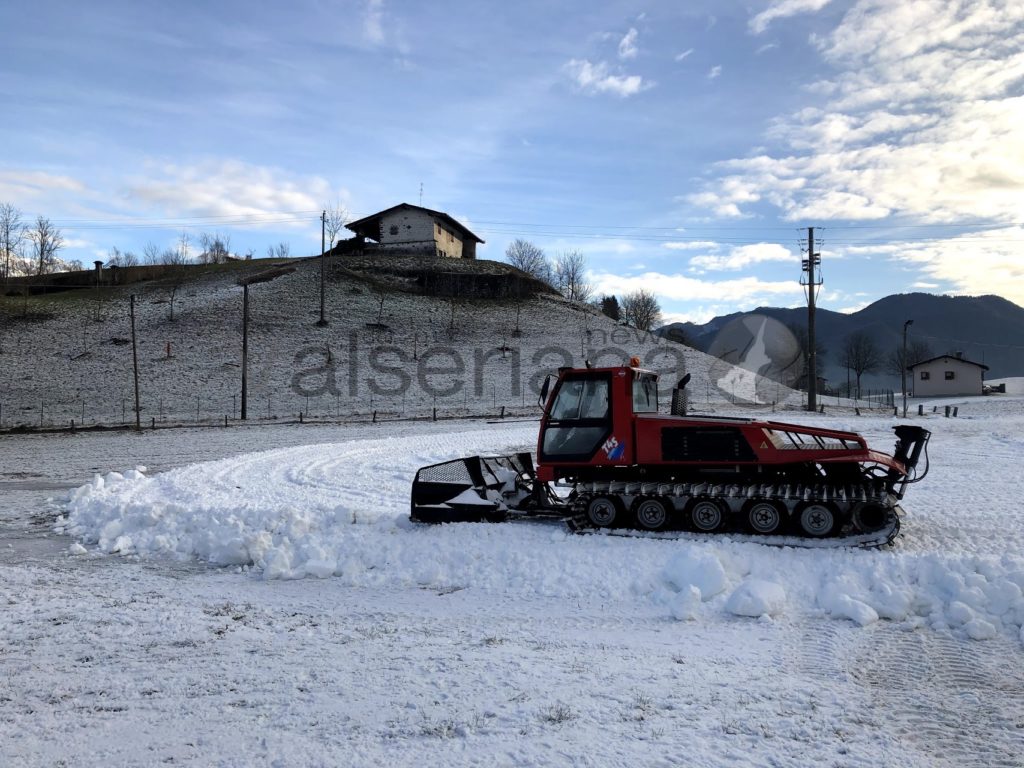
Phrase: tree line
(566, 273)
(28, 248)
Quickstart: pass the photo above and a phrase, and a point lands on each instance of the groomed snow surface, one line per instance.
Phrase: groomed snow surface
(341, 510)
(334, 632)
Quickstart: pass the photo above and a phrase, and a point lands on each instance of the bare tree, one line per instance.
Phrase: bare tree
(184, 249)
(46, 241)
(917, 350)
(120, 258)
(216, 248)
(527, 257)
(337, 216)
(280, 251)
(151, 254)
(641, 310)
(860, 354)
(570, 276)
(12, 233)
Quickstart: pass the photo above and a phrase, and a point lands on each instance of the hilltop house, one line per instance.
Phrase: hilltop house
(947, 375)
(412, 228)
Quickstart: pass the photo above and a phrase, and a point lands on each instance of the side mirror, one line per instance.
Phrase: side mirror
(544, 391)
(683, 381)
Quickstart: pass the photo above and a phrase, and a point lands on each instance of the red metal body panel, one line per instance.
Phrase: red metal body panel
(640, 438)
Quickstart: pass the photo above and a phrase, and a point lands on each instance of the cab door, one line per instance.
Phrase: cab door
(579, 422)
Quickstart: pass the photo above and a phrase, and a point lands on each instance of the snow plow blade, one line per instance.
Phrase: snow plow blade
(471, 490)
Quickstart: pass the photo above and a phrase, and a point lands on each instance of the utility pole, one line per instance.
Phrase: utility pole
(323, 233)
(135, 363)
(903, 367)
(245, 349)
(812, 279)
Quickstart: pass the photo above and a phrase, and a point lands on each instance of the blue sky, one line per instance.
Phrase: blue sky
(683, 147)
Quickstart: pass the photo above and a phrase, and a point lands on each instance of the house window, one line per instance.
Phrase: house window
(394, 229)
(925, 375)
(950, 375)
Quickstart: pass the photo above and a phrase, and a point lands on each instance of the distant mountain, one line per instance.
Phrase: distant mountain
(986, 329)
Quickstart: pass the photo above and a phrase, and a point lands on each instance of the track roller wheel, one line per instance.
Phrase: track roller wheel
(868, 517)
(651, 513)
(707, 515)
(602, 511)
(817, 519)
(765, 517)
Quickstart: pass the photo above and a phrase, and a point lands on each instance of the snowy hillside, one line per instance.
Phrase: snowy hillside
(385, 349)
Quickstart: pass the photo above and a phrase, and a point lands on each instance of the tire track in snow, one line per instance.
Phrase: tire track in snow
(959, 702)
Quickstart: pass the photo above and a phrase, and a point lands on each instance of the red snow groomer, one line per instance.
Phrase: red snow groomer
(607, 459)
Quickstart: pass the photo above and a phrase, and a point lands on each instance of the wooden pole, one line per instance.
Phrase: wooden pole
(323, 249)
(245, 350)
(135, 363)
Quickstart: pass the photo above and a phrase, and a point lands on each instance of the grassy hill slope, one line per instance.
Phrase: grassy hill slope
(392, 344)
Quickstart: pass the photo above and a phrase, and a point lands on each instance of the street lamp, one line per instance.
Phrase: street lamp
(903, 367)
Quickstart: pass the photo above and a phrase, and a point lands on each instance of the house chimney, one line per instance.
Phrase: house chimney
(959, 355)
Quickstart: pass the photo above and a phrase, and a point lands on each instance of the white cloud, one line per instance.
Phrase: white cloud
(742, 256)
(226, 188)
(990, 262)
(738, 291)
(698, 315)
(373, 18)
(714, 72)
(77, 242)
(684, 54)
(925, 286)
(627, 45)
(922, 120)
(24, 184)
(596, 78)
(765, 48)
(855, 308)
(782, 9)
(691, 245)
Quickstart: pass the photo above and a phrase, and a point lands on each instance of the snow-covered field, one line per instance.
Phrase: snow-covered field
(275, 607)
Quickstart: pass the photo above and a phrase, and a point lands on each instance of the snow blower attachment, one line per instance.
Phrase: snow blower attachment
(607, 459)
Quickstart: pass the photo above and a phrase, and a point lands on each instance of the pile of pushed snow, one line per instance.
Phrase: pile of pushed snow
(341, 510)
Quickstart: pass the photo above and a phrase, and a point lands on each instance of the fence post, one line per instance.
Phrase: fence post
(956, 410)
(947, 411)
(920, 409)
(374, 417)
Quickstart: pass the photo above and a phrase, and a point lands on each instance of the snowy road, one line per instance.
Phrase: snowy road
(469, 644)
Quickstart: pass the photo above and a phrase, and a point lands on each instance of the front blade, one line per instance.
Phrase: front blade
(451, 492)
(471, 489)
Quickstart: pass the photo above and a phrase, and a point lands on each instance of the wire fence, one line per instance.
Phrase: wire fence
(287, 406)
(278, 407)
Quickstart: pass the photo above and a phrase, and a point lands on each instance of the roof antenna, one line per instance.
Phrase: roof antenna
(421, 194)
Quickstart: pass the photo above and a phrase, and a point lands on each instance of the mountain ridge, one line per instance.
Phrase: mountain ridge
(988, 329)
